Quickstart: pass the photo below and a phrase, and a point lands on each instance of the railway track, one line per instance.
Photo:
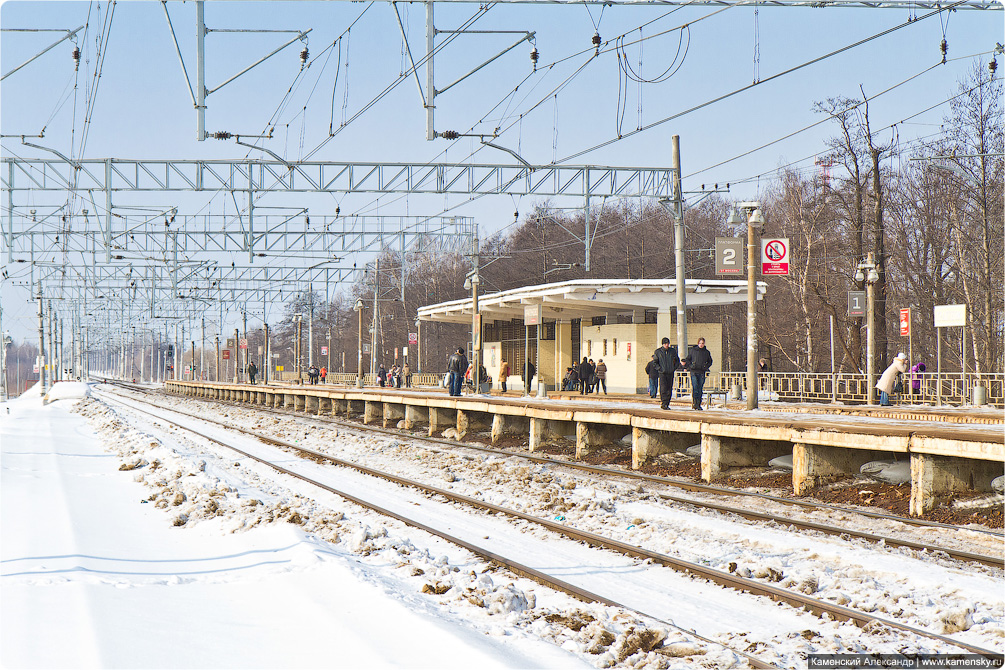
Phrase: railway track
(838, 531)
(798, 600)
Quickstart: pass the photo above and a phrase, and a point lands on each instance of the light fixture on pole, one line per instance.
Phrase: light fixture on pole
(358, 308)
(471, 283)
(749, 214)
(866, 272)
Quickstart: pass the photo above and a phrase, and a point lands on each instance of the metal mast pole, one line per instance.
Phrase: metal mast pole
(752, 390)
(200, 81)
(41, 343)
(678, 245)
(430, 87)
(376, 317)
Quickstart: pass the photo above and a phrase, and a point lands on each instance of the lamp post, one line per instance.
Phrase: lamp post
(476, 328)
(867, 273)
(754, 220)
(418, 345)
(358, 308)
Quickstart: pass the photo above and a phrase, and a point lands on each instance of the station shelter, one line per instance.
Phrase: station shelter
(621, 321)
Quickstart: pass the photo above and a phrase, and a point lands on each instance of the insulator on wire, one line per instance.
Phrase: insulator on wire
(76, 58)
(221, 135)
(304, 55)
(945, 49)
(450, 134)
(337, 210)
(596, 40)
(534, 55)
(993, 65)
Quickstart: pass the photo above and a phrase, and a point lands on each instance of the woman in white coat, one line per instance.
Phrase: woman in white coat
(887, 382)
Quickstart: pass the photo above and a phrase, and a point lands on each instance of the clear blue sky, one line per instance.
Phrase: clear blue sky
(143, 108)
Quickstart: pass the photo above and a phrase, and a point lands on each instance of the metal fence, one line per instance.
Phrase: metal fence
(853, 388)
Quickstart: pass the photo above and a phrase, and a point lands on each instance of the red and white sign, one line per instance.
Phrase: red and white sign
(413, 338)
(244, 343)
(905, 322)
(775, 256)
(226, 354)
(324, 351)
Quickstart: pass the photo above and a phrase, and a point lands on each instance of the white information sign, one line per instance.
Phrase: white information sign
(950, 315)
(532, 315)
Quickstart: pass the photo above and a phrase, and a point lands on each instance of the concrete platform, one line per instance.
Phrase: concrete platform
(965, 453)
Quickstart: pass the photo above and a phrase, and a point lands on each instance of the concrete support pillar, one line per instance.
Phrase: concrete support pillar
(354, 408)
(289, 401)
(711, 446)
(719, 453)
(440, 419)
(811, 463)
(299, 403)
(536, 430)
(373, 412)
(469, 422)
(324, 406)
(648, 444)
(415, 415)
(393, 413)
(340, 407)
(311, 404)
(270, 399)
(506, 423)
(934, 478)
(589, 436)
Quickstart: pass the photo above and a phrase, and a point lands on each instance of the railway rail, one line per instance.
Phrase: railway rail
(725, 579)
(693, 487)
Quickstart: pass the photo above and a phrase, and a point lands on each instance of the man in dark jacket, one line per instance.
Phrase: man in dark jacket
(666, 365)
(457, 365)
(654, 376)
(698, 361)
(252, 371)
(529, 370)
(585, 374)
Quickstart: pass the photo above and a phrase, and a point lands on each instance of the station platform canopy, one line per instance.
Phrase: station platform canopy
(585, 298)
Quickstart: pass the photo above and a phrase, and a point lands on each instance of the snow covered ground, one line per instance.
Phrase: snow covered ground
(126, 543)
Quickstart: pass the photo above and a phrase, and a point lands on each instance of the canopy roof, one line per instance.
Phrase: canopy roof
(585, 298)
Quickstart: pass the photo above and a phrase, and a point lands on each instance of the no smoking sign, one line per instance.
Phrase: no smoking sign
(775, 256)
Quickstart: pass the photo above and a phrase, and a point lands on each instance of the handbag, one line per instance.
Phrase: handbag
(898, 387)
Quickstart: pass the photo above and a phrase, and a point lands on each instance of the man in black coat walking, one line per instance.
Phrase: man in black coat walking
(698, 361)
(667, 363)
(457, 365)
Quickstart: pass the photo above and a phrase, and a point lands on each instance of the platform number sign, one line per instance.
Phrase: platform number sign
(856, 303)
(775, 256)
(729, 255)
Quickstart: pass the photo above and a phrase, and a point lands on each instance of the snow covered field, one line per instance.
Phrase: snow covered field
(128, 543)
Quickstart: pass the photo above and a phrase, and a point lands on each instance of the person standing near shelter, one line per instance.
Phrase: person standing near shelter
(698, 362)
(917, 368)
(382, 375)
(654, 376)
(503, 375)
(528, 374)
(406, 374)
(585, 374)
(666, 363)
(601, 376)
(252, 371)
(324, 373)
(887, 382)
(457, 364)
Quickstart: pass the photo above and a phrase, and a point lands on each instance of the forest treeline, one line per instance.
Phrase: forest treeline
(931, 213)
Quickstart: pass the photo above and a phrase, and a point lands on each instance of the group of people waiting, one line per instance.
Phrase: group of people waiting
(891, 382)
(586, 377)
(663, 366)
(395, 377)
(315, 374)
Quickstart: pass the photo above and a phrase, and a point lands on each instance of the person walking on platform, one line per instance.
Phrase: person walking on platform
(382, 375)
(503, 375)
(252, 371)
(457, 365)
(585, 373)
(888, 381)
(666, 363)
(324, 373)
(698, 362)
(601, 376)
(654, 375)
(529, 370)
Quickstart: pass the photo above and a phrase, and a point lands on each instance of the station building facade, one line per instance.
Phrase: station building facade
(618, 321)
